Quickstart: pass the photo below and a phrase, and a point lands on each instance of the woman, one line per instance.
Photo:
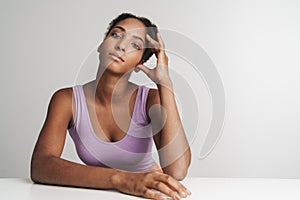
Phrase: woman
(113, 121)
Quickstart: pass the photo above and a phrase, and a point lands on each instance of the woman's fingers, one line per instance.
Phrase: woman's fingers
(154, 185)
(157, 45)
(160, 40)
(149, 193)
(158, 48)
(162, 187)
(153, 42)
(173, 184)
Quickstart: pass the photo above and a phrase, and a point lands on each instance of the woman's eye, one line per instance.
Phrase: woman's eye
(136, 46)
(115, 35)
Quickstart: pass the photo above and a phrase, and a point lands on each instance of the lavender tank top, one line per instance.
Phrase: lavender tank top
(132, 153)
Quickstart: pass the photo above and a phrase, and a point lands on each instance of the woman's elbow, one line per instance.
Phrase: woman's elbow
(177, 172)
(38, 168)
(179, 168)
(34, 178)
(34, 171)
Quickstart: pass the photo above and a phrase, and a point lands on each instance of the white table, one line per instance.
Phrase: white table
(201, 188)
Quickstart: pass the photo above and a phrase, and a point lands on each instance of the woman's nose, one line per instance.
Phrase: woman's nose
(120, 45)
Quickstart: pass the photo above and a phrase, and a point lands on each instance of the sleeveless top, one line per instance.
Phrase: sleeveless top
(132, 153)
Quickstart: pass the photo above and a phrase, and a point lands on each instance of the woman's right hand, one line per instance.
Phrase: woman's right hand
(145, 184)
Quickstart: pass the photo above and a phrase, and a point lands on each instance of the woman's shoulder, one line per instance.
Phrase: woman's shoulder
(60, 106)
(63, 93)
(62, 98)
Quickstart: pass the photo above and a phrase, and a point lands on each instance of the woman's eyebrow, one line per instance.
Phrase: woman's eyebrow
(135, 36)
(120, 27)
(139, 38)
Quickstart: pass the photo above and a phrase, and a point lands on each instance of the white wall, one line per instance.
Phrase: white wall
(253, 44)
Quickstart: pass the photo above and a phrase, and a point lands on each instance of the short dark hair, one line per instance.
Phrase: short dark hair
(150, 27)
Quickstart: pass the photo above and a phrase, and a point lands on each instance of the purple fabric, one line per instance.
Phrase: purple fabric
(132, 153)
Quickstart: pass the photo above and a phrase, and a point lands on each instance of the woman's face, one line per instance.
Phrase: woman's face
(123, 47)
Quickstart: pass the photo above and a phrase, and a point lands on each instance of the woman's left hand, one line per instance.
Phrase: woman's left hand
(159, 74)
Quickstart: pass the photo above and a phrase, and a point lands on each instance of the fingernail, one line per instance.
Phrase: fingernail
(177, 196)
(189, 192)
(162, 198)
(183, 194)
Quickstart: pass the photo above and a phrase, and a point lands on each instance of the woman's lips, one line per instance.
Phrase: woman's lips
(116, 57)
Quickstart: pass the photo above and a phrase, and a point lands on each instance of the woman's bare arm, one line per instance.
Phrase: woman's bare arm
(170, 139)
(48, 167)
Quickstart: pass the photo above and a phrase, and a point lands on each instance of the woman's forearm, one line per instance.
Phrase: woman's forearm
(174, 150)
(57, 171)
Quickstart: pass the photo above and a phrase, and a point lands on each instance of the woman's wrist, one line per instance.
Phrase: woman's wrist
(118, 179)
(166, 82)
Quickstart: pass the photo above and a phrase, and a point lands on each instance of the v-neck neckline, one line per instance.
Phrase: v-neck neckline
(91, 125)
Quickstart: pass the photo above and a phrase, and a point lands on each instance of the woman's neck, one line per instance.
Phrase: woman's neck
(109, 85)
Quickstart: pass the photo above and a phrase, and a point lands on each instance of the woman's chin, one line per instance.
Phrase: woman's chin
(115, 68)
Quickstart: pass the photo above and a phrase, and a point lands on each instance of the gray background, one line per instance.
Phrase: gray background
(254, 45)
